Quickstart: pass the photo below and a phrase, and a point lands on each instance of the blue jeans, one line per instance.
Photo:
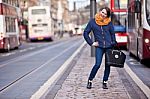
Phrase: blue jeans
(99, 55)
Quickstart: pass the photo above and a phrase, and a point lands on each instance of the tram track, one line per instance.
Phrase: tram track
(37, 68)
(34, 53)
(25, 56)
(13, 82)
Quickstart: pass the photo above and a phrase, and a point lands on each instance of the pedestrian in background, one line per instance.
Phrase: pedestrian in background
(104, 35)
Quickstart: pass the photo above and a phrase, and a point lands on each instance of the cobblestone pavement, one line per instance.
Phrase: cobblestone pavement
(74, 84)
(74, 87)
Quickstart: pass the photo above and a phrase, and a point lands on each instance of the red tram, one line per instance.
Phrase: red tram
(119, 15)
(139, 28)
(9, 31)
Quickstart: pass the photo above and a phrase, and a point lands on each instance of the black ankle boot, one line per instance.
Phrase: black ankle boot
(105, 85)
(89, 84)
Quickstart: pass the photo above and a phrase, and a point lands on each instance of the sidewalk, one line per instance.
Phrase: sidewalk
(74, 86)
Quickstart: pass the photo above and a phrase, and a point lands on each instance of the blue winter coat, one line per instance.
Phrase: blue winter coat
(105, 34)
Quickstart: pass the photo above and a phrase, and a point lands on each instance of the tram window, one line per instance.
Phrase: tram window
(148, 17)
(133, 25)
(131, 20)
(6, 22)
(13, 3)
(16, 3)
(10, 24)
(120, 4)
(38, 11)
(12, 28)
(5, 1)
(148, 12)
(137, 6)
(14, 24)
(8, 1)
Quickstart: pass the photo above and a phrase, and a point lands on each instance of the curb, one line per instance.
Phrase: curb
(136, 79)
(56, 76)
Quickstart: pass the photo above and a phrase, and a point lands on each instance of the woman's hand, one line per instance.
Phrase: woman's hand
(95, 44)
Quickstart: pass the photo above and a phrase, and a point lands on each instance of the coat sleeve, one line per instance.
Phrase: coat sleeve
(112, 32)
(86, 33)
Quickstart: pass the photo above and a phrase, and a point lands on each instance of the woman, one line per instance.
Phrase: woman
(104, 35)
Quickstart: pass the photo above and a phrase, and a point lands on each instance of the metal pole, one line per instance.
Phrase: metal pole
(92, 14)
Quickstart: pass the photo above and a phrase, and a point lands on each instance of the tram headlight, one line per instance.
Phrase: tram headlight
(146, 40)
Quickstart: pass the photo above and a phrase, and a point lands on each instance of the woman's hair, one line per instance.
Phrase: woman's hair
(107, 9)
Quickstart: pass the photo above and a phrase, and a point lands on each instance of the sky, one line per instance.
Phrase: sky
(79, 3)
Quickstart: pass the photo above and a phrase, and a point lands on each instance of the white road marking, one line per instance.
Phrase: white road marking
(23, 50)
(8, 54)
(136, 79)
(28, 55)
(135, 63)
(31, 48)
(56, 76)
(47, 62)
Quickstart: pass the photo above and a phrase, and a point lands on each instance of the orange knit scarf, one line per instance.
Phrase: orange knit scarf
(100, 21)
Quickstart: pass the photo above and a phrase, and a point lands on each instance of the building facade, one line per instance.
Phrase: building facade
(25, 4)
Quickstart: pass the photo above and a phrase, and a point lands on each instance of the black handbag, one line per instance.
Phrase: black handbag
(115, 58)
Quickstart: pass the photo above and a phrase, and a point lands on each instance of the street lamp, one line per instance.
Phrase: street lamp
(22, 8)
(24, 21)
(60, 18)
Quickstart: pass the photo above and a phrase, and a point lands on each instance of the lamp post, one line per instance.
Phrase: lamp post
(24, 20)
(22, 8)
(92, 14)
(60, 18)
